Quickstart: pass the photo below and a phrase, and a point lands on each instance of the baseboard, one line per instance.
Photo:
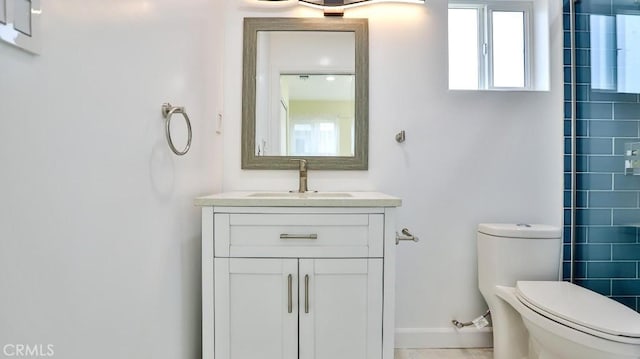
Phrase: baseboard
(443, 338)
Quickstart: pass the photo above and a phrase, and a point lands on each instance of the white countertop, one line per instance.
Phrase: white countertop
(311, 199)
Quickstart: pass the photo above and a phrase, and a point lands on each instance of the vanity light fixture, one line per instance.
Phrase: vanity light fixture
(334, 12)
(331, 7)
(345, 4)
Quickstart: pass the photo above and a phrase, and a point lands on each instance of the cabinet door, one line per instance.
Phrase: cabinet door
(256, 311)
(340, 308)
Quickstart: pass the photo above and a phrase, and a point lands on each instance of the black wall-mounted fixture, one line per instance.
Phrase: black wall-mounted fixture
(338, 5)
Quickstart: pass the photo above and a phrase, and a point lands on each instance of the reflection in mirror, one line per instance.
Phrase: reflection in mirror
(305, 99)
(615, 53)
(317, 115)
(305, 93)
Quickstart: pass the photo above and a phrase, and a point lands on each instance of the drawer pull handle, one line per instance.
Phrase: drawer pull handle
(306, 293)
(298, 236)
(290, 299)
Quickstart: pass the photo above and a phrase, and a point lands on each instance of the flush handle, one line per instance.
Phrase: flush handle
(405, 236)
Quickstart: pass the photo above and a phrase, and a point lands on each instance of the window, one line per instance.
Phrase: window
(489, 45)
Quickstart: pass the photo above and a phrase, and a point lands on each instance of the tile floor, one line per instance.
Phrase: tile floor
(444, 353)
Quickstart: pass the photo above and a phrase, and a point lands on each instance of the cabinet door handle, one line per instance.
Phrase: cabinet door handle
(306, 293)
(290, 299)
(298, 236)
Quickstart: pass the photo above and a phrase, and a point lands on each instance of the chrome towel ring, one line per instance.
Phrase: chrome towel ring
(167, 111)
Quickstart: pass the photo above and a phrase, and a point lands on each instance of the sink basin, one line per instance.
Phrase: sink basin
(300, 195)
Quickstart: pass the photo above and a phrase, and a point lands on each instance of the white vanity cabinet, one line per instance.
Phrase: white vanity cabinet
(282, 281)
(276, 308)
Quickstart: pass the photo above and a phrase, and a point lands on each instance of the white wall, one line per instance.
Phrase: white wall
(99, 239)
(470, 157)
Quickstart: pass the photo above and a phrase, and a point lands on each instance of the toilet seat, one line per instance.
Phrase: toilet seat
(581, 309)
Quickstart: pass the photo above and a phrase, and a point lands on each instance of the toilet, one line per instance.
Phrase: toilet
(536, 316)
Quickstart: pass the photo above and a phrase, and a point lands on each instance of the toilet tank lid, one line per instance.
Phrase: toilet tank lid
(520, 230)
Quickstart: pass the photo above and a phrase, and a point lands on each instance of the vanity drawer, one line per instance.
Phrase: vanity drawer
(298, 235)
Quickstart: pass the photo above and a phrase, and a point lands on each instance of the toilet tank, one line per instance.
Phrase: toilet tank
(511, 252)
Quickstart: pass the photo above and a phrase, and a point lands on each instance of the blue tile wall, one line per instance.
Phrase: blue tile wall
(613, 128)
(593, 181)
(613, 199)
(593, 252)
(595, 146)
(607, 251)
(630, 252)
(604, 164)
(625, 183)
(611, 270)
(612, 235)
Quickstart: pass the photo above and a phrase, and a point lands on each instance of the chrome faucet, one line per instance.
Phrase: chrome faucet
(302, 175)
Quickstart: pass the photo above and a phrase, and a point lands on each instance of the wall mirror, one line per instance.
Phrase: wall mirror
(305, 93)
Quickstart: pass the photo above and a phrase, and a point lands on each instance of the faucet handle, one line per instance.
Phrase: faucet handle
(302, 175)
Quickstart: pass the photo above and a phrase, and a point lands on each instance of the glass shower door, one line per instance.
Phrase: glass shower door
(602, 121)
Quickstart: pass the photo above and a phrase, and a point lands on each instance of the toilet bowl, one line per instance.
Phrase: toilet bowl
(536, 316)
(565, 321)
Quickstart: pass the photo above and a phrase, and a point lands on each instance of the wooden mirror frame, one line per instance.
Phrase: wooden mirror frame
(360, 28)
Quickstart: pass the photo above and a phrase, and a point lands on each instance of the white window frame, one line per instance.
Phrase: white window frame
(485, 39)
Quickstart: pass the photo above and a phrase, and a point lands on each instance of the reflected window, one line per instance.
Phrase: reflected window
(615, 52)
(315, 138)
(628, 51)
(318, 111)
